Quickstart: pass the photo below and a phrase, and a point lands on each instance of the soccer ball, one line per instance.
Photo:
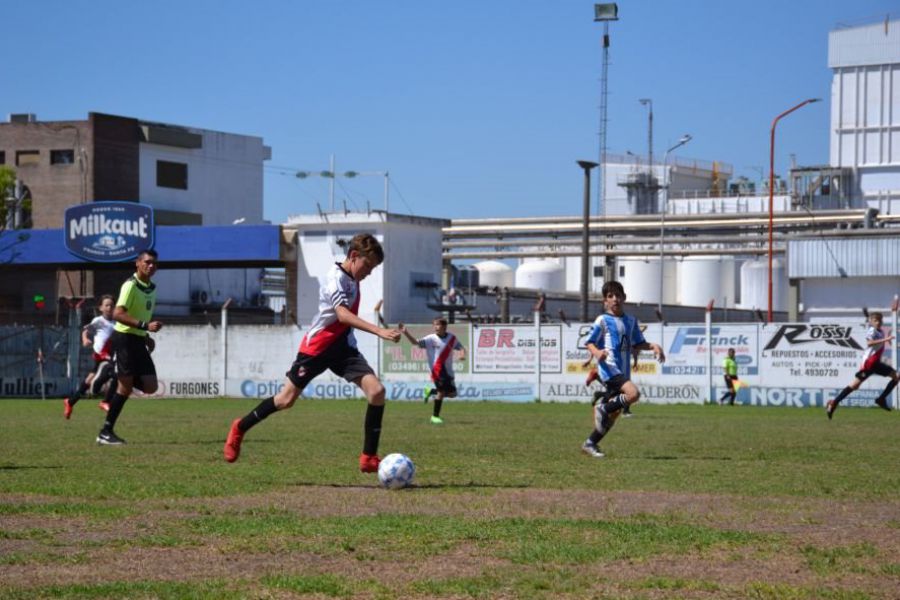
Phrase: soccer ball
(396, 471)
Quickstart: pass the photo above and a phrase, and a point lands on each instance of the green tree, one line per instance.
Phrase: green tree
(7, 197)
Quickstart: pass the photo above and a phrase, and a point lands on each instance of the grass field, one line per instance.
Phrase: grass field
(690, 502)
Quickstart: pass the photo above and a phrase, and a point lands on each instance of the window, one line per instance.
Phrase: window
(62, 157)
(171, 175)
(27, 157)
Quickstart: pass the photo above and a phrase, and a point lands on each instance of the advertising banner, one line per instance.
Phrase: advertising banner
(507, 391)
(821, 355)
(108, 231)
(406, 358)
(514, 349)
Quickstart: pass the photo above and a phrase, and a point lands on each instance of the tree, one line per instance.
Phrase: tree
(11, 203)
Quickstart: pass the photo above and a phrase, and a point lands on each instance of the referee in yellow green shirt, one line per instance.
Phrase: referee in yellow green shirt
(131, 343)
(729, 366)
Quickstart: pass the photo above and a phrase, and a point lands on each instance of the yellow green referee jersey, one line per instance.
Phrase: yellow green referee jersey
(139, 300)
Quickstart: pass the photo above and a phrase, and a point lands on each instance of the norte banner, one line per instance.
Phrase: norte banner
(514, 349)
(406, 358)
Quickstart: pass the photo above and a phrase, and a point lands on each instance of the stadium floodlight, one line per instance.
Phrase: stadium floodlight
(606, 12)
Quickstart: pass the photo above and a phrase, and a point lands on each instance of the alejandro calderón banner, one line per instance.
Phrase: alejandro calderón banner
(108, 231)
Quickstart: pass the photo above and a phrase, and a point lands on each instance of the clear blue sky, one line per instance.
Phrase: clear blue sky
(477, 108)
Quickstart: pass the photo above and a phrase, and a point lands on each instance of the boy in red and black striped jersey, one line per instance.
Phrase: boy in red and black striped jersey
(330, 344)
(872, 365)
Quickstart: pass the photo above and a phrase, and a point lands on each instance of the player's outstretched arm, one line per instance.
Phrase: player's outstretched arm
(599, 353)
(408, 335)
(656, 348)
(346, 316)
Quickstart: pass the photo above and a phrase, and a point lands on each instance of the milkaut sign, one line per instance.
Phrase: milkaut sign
(107, 231)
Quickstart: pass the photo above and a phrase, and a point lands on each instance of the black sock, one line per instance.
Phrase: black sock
(844, 393)
(115, 407)
(437, 406)
(78, 393)
(111, 390)
(595, 437)
(618, 404)
(887, 390)
(262, 410)
(374, 415)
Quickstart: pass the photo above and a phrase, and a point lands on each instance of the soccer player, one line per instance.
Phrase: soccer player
(611, 341)
(97, 333)
(729, 366)
(440, 347)
(330, 344)
(875, 343)
(131, 343)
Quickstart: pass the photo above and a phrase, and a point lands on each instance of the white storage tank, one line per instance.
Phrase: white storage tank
(493, 273)
(640, 278)
(705, 278)
(545, 275)
(755, 284)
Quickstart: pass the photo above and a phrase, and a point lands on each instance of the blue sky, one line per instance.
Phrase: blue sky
(477, 109)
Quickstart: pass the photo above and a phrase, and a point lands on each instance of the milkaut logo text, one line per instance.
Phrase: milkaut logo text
(108, 231)
(834, 335)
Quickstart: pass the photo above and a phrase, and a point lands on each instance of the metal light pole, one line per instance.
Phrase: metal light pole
(772, 189)
(604, 13)
(585, 236)
(332, 175)
(662, 221)
(649, 104)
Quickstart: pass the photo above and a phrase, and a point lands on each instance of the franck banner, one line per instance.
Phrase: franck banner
(107, 231)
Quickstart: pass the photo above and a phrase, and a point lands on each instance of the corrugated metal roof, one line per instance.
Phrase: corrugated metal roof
(871, 257)
(877, 44)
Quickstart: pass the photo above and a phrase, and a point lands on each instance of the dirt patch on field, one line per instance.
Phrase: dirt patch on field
(821, 544)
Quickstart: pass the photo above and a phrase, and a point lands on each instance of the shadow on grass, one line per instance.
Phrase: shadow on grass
(18, 467)
(427, 486)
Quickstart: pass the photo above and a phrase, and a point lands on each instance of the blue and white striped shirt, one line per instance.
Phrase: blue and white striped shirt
(617, 335)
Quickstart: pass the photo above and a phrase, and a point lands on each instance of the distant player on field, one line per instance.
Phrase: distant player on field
(440, 347)
(875, 343)
(97, 334)
(611, 341)
(330, 344)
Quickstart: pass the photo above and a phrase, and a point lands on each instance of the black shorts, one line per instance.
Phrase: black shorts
(879, 368)
(341, 358)
(613, 387)
(131, 356)
(98, 363)
(729, 382)
(446, 385)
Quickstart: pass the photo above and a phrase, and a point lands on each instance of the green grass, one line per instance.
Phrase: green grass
(505, 505)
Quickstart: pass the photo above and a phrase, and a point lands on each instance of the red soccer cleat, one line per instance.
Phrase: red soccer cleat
(233, 442)
(67, 408)
(104, 406)
(368, 463)
(591, 378)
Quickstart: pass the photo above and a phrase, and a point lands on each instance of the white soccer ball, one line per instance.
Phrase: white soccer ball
(396, 471)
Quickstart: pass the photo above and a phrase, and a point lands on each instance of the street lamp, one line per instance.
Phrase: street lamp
(662, 222)
(772, 189)
(587, 166)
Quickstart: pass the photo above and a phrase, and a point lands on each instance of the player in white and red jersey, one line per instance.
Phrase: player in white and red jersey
(440, 347)
(872, 365)
(95, 334)
(330, 344)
